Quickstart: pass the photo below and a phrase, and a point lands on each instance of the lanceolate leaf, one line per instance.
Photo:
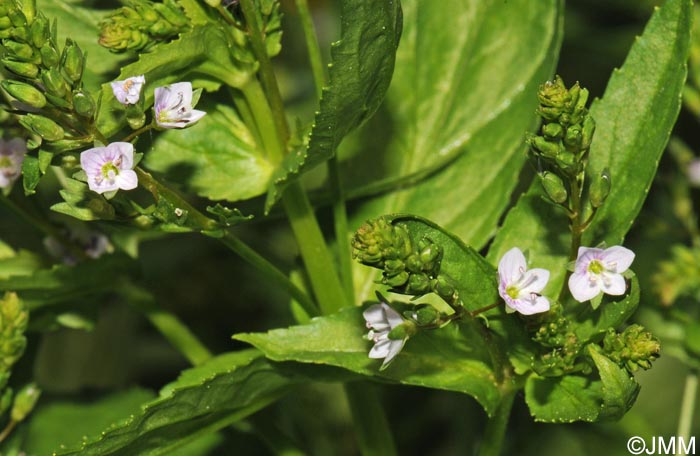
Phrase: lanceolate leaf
(360, 72)
(204, 399)
(454, 358)
(463, 93)
(635, 117)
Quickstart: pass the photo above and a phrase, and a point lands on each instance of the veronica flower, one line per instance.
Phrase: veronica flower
(381, 320)
(128, 91)
(599, 270)
(173, 106)
(520, 287)
(110, 168)
(12, 154)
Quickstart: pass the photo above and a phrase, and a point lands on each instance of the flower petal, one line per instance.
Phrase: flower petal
(195, 115)
(617, 258)
(394, 349)
(126, 151)
(582, 288)
(127, 180)
(512, 265)
(374, 315)
(392, 316)
(613, 284)
(536, 279)
(585, 256)
(381, 349)
(529, 307)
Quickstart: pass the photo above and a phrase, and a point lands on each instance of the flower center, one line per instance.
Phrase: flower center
(596, 267)
(513, 291)
(109, 170)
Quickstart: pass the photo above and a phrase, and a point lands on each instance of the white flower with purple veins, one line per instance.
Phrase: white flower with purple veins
(110, 168)
(128, 91)
(173, 106)
(599, 270)
(381, 319)
(520, 287)
(12, 154)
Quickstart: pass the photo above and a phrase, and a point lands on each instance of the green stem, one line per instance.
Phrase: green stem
(270, 271)
(495, 431)
(136, 133)
(340, 223)
(267, 76)
(370, 421)
(316, 257)
(8, 430)
(690, 394)
(312, 46)
(264, 121)
(168, 324)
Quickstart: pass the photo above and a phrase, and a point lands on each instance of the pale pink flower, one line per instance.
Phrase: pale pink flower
(520, 287)
(110, 168)
(128, 91)
(599, 270)
(12, 154)
(173, 106)
(381, 319)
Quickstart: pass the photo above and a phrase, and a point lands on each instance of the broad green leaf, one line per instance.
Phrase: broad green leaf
(563, 399)
(67, 422)
(204, 399)
(635, 117)
(454, 358)
(463, 95)
(79, 23)
(592, 325)
(21, 263)
(619, 387)
(218, 158)
(362, 63)
(82, 203)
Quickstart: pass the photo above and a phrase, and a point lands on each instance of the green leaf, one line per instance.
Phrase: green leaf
(22, 263)
(620, 390)
(591, 326)
(82, 203)
(31, 174)
(453, 103)
(66, 422)
(360, 72)
(218, 158)
(635, 117)
(204, 399)
(563, 399)
(81, 25)
(454, 358)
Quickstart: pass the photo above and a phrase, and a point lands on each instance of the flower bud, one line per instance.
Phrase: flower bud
(29, 10)
(554, 187)
(25, 400)
(635, 347)
(25, 93)
(418, 284)
(72, 61)
(20, 51)
(5, 22)
(552, 131)
(554, 99)
(40, 32)
(14, 318)
(42, 126)
(84, 104)
(17, 17)
(49, 55)
(600, 189)
(573, 138)
(25, 69)
(547, 149)
(443, 287)
(54, 82)
(425, 314)
(6, 399)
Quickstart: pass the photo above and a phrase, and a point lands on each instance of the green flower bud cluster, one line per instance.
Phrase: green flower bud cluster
(635, 347)
(408, 268)
(564, 139)
(141, 24)
(271, 21)
(555, 333)
(13, 324)
(678, 276)
(47, 80)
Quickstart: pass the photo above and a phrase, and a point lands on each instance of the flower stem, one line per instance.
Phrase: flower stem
(312, 46)
(270, 271)
(496, 426)
(8, 430)
(136, 133)
(690, 394)
(370, 421)
(168, 324)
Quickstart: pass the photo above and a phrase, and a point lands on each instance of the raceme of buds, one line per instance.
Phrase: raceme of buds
(635, 347)
(408, 267)
(12, 154)
(13, 324)
(174, 104)
(140, 24)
